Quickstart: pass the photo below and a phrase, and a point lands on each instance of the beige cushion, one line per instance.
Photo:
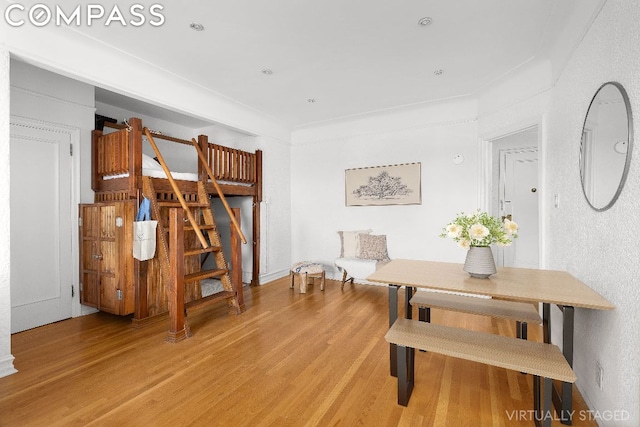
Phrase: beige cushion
(349, 243)
(373, 247)
(307, 267)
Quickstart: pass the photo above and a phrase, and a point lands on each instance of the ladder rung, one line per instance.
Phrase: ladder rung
(200, 251)
(205, 274)
(176, 204)
(218, 296)
(201, 226)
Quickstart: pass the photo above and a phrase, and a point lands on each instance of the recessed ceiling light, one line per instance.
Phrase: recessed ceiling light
(311, 100)
(196, 26)
(425, 21)
(438, 72)
(267, 71)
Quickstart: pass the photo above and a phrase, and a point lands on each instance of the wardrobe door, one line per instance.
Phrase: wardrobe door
(89, 255)
(109, 261)
(107, 279)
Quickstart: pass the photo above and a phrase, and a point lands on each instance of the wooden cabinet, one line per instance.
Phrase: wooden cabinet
(107, 266)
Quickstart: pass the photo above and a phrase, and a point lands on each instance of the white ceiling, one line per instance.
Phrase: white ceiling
(351, 56)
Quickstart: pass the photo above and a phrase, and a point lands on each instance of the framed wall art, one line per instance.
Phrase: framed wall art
(383, 185)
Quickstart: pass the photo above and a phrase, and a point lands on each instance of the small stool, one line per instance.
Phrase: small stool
(306, 270)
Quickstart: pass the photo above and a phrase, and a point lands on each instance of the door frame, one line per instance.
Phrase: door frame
(486, 168)
(74, 136)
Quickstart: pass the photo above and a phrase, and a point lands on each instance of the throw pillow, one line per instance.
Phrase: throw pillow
(349, 243)
(373, 247)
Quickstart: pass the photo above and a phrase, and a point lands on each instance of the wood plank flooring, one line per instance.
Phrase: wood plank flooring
(289, 360)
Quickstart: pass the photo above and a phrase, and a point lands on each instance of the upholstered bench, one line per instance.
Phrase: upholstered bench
(361, 254)
(544, 361)
(306, 270)
(521, 312)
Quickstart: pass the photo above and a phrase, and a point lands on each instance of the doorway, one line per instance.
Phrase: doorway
(41, 224)
(515, 195)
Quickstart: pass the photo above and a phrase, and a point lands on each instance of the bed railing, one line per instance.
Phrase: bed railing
(112, 153)
(230, 164)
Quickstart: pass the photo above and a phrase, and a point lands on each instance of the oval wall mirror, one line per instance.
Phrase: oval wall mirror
(605, 149)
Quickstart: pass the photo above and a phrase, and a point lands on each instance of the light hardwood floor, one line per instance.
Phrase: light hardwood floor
(288, 360)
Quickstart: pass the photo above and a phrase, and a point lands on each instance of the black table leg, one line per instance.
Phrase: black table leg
(563, 400)
(393, 315)
(408, 312)
(406, 357)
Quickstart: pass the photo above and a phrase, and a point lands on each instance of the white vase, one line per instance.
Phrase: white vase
(479, 262)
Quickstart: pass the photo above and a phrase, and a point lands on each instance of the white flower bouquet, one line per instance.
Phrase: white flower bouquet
(480, 229)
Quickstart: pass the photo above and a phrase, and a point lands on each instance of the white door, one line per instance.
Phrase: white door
(519, 198)
(40, 206)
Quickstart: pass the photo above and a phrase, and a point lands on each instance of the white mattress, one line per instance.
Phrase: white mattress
(154, 173)
(184, 176)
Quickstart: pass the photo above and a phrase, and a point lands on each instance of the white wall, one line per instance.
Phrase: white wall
(431, 135)
(275, 254)
(6, 359)
(600, 248)
(42, 95)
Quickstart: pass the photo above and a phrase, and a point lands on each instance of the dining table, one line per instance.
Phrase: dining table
(537, 286)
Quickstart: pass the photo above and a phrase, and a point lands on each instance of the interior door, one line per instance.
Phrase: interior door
(519, 200)
(41, 218)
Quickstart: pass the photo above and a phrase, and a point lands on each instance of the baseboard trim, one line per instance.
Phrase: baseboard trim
(6, 366)
(266, 278)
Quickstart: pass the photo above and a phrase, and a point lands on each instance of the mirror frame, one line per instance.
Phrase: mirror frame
(627, 162)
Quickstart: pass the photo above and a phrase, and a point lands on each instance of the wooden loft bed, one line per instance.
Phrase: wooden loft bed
(118, 156)
(121, 173)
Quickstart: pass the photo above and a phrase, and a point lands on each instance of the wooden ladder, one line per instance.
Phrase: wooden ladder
(172, 253)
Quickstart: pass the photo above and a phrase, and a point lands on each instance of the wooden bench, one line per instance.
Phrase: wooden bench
(542, 360)
(521, 312)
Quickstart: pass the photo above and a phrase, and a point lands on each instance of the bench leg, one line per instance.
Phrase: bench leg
(405, 360)
(322, 281)
(542, 415)
(291, 275)
(521, 333)
(424, 315)
(344, 278)
(521, 330)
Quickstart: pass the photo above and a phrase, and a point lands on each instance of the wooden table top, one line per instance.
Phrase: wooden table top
(518, 284)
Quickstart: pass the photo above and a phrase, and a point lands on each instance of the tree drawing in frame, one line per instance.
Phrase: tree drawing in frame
(383, 185)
